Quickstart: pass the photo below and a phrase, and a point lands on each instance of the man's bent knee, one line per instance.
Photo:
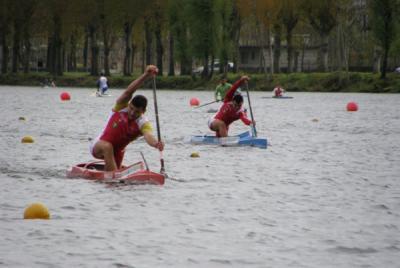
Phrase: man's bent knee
(102, 148)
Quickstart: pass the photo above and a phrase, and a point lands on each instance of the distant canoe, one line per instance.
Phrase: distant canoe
(282, 97)
(212, 110)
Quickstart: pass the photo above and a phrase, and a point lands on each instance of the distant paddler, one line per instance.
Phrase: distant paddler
(102, 84)
(278, 91)
(125, 124)
(222, 88)
(230, 111)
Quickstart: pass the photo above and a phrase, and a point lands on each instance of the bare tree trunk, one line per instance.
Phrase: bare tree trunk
(134, 48)
(71, 58)
(86, 49)
(271, 58)
(159, 48)
(149, 43)
(322, 57)
(303, 52)
(16, 46)
(5, 54)
(94, 48)
(204, 73)
(385, 60)
(171, 68)
(128, 49)
(27, 54)
(55, 48)
(277, 47)
(289, 50)
(143, 56)
(235, 35)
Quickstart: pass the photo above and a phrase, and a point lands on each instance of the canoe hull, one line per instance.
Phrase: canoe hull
(133, 174)
(243, 139)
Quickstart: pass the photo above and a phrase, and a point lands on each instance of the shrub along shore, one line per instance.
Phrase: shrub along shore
(296, 82)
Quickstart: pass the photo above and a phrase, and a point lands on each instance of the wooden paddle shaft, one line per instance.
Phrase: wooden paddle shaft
(157, 121)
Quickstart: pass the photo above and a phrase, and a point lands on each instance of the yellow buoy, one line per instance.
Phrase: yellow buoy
(27, 139)
(21, 118)
(195, 154)
(36, 211)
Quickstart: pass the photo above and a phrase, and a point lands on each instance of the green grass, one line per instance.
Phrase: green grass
(310, 82)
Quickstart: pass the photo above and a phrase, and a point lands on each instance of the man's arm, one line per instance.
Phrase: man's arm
(152, 141)
(229, 95)
(134, 85)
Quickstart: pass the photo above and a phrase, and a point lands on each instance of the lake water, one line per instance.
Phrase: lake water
(326, 192)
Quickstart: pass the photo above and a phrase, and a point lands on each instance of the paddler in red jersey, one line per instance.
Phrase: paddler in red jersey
(278, 91)
(125, 124)
(230, 111)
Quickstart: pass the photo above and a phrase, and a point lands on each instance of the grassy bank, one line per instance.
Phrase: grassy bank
(314, 82)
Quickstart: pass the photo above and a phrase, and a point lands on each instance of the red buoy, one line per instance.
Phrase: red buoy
(194, 102)
(352, 107)
(65, 96)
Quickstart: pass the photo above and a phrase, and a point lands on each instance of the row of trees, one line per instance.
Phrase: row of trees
(183, 31)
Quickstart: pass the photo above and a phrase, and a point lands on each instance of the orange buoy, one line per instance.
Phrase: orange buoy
(352, 107)
(64, 96)
(194, 102)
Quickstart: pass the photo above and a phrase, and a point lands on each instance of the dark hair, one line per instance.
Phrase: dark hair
(139, 101)
(238, 99)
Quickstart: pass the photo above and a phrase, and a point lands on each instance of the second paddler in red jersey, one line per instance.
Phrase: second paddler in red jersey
(230, 111)
(126, 123)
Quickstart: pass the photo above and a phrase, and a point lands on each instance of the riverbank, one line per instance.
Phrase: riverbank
(297, 82)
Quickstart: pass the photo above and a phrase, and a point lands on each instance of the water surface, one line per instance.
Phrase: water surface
(324, 194)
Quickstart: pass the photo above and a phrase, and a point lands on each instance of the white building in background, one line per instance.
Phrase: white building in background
(257, 55)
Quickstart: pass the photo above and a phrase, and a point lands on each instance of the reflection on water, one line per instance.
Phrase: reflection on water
(324, 194)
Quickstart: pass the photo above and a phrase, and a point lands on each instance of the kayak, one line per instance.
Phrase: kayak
(103, 95)
(133, 174)
(212, 110)
(243, 139)
(281, 97)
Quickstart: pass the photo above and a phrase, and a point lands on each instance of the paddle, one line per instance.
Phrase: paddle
(145, 162)
(251, 110)
(208, 103)
(162, 170)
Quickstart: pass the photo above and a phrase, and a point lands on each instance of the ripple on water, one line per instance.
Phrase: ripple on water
(353, 250)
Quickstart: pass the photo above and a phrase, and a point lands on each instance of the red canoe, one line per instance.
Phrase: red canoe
(133, 174)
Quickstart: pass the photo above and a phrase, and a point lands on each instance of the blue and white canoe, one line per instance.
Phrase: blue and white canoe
(243, 139)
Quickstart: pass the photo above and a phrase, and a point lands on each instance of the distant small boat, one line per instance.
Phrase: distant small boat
(212, 110)
(281, 97)
(243, 139)
(133, 174)
(98, 94)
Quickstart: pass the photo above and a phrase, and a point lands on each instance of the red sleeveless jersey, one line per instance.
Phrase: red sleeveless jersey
(227, 111)
(120, 131)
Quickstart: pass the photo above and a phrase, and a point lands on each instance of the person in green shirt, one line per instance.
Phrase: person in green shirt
(221, 89)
